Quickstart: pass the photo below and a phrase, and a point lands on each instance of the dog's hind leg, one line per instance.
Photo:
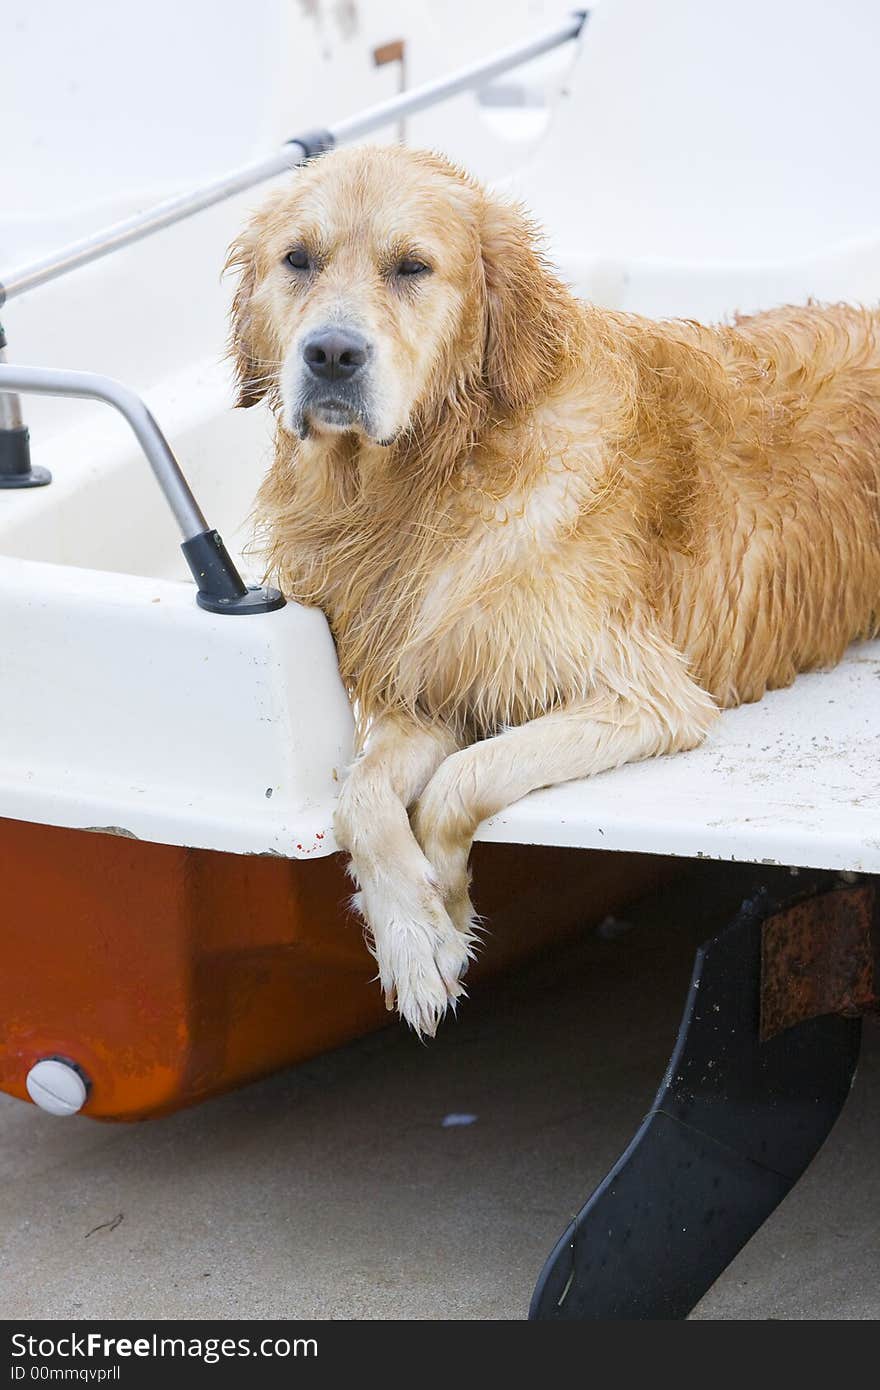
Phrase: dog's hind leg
(420, 953)
(601, 733)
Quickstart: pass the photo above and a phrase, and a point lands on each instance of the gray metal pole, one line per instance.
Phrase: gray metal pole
(143, 224)
(51, 381)
(219, 586)
(295, 152)
(430, 93)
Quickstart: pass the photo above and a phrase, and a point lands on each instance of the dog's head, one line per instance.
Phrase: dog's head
(380, 283)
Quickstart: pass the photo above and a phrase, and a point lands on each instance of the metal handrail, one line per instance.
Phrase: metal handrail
(220, 588)
(53, 381)
(293, 153)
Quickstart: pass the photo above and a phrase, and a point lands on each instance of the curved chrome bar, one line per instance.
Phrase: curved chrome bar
(51, 381)
(219, 586)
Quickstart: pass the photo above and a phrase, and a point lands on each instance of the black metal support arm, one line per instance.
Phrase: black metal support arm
(220, 588)
(764, 1062)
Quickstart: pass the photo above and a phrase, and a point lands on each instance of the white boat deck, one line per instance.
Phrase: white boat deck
(794, 779)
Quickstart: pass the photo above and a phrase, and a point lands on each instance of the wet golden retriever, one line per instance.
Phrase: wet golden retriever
(549, 539)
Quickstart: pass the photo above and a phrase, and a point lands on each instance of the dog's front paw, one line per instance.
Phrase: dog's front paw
(420, 954)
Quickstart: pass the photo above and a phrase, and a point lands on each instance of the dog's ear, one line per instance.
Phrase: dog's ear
(527, 309)
(250, 376)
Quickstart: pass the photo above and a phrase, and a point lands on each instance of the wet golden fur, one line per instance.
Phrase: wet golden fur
(583, 533)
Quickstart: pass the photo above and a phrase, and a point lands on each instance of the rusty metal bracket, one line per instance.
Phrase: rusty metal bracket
(821, 956)
(764, 1061)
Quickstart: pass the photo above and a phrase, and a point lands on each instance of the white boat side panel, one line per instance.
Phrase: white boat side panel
(128, 707)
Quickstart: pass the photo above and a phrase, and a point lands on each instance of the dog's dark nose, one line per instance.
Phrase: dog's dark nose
(335, 354)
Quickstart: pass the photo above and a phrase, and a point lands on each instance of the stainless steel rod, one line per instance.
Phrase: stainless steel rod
(50, 381)
(123, 233)
(430, 93)
(143, 224)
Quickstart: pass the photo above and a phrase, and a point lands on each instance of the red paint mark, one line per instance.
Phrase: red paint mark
(319, 834)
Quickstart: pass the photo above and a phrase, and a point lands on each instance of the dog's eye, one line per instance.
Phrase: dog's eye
(298, 259)
(411, 266)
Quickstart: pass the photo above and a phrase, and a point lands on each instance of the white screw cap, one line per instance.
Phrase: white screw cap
(56, 1086)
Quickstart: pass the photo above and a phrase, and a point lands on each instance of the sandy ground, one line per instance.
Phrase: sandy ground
(334, 1190)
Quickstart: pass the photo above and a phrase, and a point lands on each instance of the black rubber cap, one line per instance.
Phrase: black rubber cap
(15, 462)
(220, 587)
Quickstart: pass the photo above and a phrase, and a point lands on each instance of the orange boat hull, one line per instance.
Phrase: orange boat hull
(171, 974)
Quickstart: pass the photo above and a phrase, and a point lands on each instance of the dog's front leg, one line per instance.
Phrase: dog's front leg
(420, 954)
(480, 780)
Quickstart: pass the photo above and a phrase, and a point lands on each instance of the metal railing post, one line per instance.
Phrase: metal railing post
(220, 588)
(16, 469)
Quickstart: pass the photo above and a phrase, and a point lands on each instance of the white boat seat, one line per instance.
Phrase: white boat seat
(708, 158)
